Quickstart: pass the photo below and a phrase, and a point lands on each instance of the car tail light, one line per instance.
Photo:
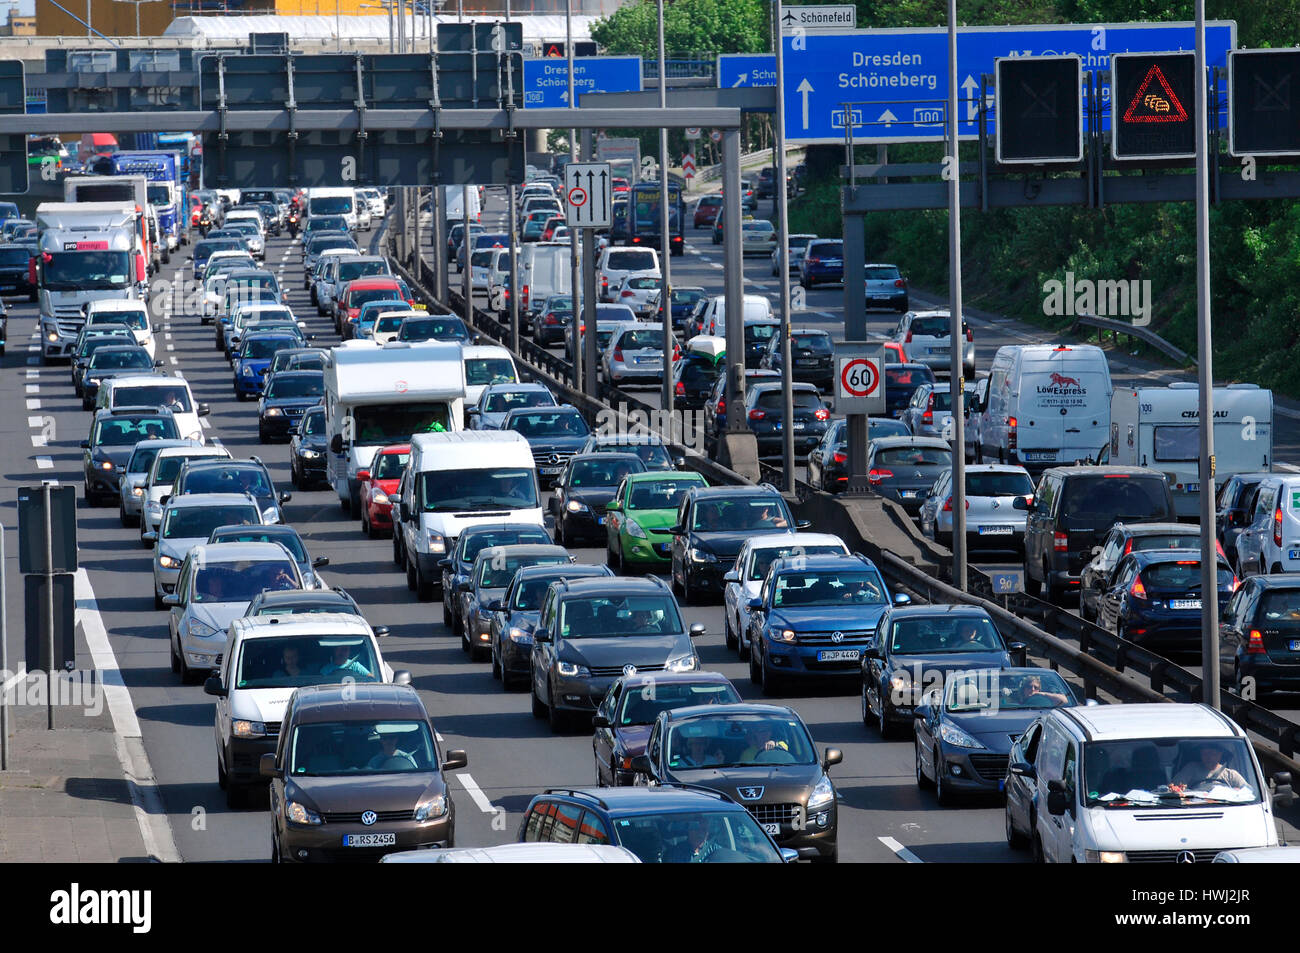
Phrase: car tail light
(813, 260)
(550, 318)
(927, 417)
(1255, 643)
(1236, 583)
(523, 297)
(677, 348)
(1061, 542)
(680, 389)
(947, 505)
(1137, 590)
(1218, 546)
(1128, 547)
(1011, 433)
(839, 457)
(628, 294)
(1277, 526)
(636, 239)
(875, 476)
(618, 354)
(908, 339)
(821, 413)
(970, 335)
(756, 414)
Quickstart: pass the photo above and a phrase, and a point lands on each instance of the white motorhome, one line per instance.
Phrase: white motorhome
(1045, 405)
(377, 395)
(1159, 427)
(89, 251)
(454, 480)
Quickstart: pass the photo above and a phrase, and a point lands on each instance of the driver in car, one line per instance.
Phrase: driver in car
(390, 752)
(1209, 767)
(759, 739)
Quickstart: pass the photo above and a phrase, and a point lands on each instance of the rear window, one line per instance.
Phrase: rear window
(631, 260)
(1167, 541)
(1184, 574)
(998, 484)
(936, 327)
(908, 376)
(1280, 608)
(882, 273)
(651, 338)
(817, 343)
(913, 456)
(803, 400)
(825, 250)
(1100, 502)
(482, 259)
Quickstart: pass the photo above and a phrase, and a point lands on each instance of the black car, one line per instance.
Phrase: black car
(965, 728)
(919, 647)
(1074, 507)
(286, 396)
(664, 824)
(685, 298)
(758, 333)
(828, 463)
(625, 717)
(1259, 636)
(715, 407)
(118, 360)
(91, 340)
(113, 435)
(249, 476)
(478, 596)
(901, 382)
(1154, 598)
(582, 491)
(712, 524)
(514, 617)
(693, 380)
(15, 276)
(286, 602)
(650, 447)
(457, 564)
(903, 469)
(1233, 507)
(308, 444)
(1123, 539)
(553, 433)
(434, 327)
(761, 755)
(765, 415)
(811, 350)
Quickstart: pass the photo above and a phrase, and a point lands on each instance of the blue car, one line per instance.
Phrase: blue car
(1154, 598)
(253, 361)
(822, 263)
(815, 618)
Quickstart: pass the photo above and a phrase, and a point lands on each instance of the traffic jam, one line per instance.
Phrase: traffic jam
(325, 400)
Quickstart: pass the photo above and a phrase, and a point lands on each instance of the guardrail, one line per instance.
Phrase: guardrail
(1133, 332)
(711, 172)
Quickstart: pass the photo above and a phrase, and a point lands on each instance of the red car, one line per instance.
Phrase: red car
(360, 290)
(377, 485)
(707, 209)
(619, 185)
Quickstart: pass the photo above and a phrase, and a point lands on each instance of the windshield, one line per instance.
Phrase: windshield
(289, 540)
(389, 466)
(241, 580)
(135, 319)
(108, 359)
(205, 250)
(557, 424)
(128, 431)
(361, 747)
(361, 269)
(198, 522)
(142, 460)
(297, 660)
(395, 423)
(998, 484)
(263, 349)
(314, 424)
(497, 573)
(85, 270)
(925, 635)
(913, 457)
(449, 491)
(738, 741)
(828, 588)
(433, 329)
(389, 322)
(330, 205)
(489, 370)
(726, 837)
(1092, 500)
(739, 514)
(613, 616)
(310, 385)
(89, 345)
(170, 465)
(159, 195)
(14, 257)
(473, 543)
(1169, 773)
(501, 402)
(359, 296)
(762, 559)
(632, 261)
(233, 479)
(640, 706)
(610, 472)
(991, 691)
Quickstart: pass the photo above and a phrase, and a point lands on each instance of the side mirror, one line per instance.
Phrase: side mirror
(401, 677)
(832, 756)
(542, 636)
(363, 474)
(473, 412)
(599, 721)
(789, 855)
(1022, 769)
(731, 576)
(213, 686)
(444, 563)
(285, 496)
(157, 328)
(463, 586)
(157, 363)
(336, 443)
(320, 561)
(902, 599)
(162, 501)
(696, 630)
(1057, 802)
(641, 764)
(754, 604)
(456, 758)
(266, 766)
(679, 463)
(204, 410)
(381, 631)
(871, 652)
(1020, 503)
(802, 524)
(85, 445)
(150, 537)
(1283, 795)
(496, 605)
(405, 511)
(1018, 652)
(614, 507)
(171, 599)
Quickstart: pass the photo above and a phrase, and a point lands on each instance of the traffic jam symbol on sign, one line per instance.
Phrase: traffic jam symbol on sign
(1154, 90)
(1158, 105)
(589, 188)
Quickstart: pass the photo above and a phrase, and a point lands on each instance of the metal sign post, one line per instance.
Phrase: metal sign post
(51, 672)
(957, 339)
(467, 285)
(783, 263)
(590, 357)
(665, 234)
(4, 660)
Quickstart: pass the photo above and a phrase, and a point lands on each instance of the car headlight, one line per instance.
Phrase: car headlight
(379, 496)
(687, 663)
(784, 635)
(296, 813)
(955, 736)
(137, 491)
(168, 562)
(900, 685)
(519, 635)
(634, 529)
(1105, 857)
(270, 514)
(570, 670)
(434, 807)
(106, 464)
(310, 454)
(274, 412)
(576, 507)
(701, 556)
(437, 542)
(200, 630)
(154, 508)
(248, 729)
(822, 796)
(248, 371)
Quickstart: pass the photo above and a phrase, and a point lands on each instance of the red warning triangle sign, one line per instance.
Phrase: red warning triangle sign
(553, 50)
(1160, 105)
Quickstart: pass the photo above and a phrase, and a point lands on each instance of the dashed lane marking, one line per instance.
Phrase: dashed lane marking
(45, 463)
(903, 853)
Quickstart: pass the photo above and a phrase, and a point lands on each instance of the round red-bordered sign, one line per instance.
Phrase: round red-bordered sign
(400, 386)
(859, 377)
(577, 197)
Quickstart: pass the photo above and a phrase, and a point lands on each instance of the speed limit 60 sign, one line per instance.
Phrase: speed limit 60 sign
(859, 378)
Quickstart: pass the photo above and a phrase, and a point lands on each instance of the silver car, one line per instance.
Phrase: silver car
(798, 244)
(992, 520)
(132, 486)
(187, 521)
(757, 237)
(925, 338)
(640, 292)
(635, 355)
(929, 413)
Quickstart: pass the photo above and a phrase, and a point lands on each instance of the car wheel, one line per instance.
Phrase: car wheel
(554, 717)
(410, 576)
(539, 707)
(922, 781)
(125, 518)
(867, 716)
(1032, 586)
(1054, 593)
(234, 795)
(728, 635)
(1038, 854)
(176, 659)
(688, 596)
(773, 684)
(354, 504)
(222, 780)
(261, 436)
(755, 675)
(158, 603)
(424, 590)
(398, 555)
(275, 850)
(743, 649)
(496, 667)
(1015, 839)
(942, 793)
(882, 718)
(1277, 568)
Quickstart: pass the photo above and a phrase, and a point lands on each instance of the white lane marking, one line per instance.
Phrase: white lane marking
(178, 373)
(32, 374)
(34, 348)
(33, 388)
(1286, 412)
(45, 463)
(203, 422)
(1289, 467)
(35, 421)
(476, 794)
(33, 403)
(167, 337)
(39, 440)
(174, 361)
(36, 335)
(900, 850)
(715, 264)
(150, 812)
(171, 347)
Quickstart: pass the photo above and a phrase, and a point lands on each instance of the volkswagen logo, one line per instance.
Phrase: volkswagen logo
(629, 669)
(837, 637)
(369, 817)
(1185, 857)
(750, 794)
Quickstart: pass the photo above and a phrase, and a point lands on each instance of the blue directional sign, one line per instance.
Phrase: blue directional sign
(546, 81)
(892, 85)
(746, 69)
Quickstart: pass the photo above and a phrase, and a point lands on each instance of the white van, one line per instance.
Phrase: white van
(614, 264)
(756, 308)
(1097, 785)
(156, 390)
(253, 686)
(334, 202)
(545, 269)
(134, 314)
(1045, 405)
(486, 364)
(1159, 427)
(454, 480)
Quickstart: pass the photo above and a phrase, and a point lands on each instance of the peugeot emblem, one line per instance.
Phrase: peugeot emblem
(996, 505)
(629, 669)
(1185, 857)
(750, 794)
(837, 637)
(369, 817)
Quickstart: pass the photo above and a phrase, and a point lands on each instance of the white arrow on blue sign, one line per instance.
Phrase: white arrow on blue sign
(746, 69)
(546, 80)
(893, 84)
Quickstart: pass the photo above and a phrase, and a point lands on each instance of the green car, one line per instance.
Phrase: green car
(640, 515)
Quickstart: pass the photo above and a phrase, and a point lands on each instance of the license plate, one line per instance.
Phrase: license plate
(1294, 645)
(806, 362)
(1184, 603)
(995, 530)
(773, 829)
(550, 471)
(838, 655)
(369, 840)
(600, 521)
(798, 425)
(1192, 487)
(907, 494)
(938, 350)
(1038, 455)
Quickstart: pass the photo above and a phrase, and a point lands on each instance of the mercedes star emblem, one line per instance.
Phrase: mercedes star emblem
(1186, 857)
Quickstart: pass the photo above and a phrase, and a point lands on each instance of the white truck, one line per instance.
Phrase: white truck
(1159, 427)
(89, 251)
(380, 395)
(122, 189)
(456, 197)
(545, 269)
